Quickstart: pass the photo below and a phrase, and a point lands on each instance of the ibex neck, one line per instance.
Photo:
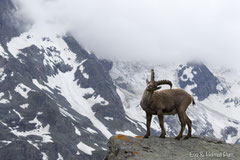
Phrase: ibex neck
(146, 98)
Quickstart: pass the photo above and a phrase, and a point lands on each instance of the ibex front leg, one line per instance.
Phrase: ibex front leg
(148, 123)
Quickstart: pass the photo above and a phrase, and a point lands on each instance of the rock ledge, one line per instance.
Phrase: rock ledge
(123, 147)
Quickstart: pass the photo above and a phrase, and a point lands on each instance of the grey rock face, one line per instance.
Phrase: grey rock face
(7, 27)
(154, 148)
(107, 64)
(22, 149)
(229, 131)
(238, 141)
(206, 83)
(235, 101)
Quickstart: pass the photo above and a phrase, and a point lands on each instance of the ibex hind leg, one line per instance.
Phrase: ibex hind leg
(189, 124)
(183, 124)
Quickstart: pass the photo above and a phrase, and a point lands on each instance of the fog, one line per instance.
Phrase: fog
(156, 31)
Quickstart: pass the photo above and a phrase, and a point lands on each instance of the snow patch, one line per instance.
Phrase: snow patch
(85, 148)
(19, 115)
(6, 142)
(108, 118)
(98, 99)
(60, 157)
(2, 75)
(24, 106)
(188, 74)
(91, 130)
(217, 126)
(3, 53)
(23, 90)
(216, 102)
(39, 131)
(81, 68)
(104, 149)
(127, 132)
(189, 88)
(4, 123)
(44, 157)
(10, 96)
(34, 145)
(39, 113)
(85, 75)
(66, 114)
(40, 86)
(89, 52)
(77, 131)
(2, 100)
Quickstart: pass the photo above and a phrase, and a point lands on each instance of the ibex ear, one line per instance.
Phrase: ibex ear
(147, 81)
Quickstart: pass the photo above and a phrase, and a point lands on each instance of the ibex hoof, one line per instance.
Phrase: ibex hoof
(177, 138)
(186, 137)
(162, 136)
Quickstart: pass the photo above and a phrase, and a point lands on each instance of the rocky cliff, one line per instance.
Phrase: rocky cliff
(123, 147)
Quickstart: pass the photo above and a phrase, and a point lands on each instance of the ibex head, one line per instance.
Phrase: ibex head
(154, 85)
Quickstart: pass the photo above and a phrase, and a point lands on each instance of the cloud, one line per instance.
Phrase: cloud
(154, 31)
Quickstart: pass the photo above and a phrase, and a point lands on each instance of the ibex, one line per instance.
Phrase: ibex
(166, 102)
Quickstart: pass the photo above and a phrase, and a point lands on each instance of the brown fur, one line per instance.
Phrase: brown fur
(166, 102)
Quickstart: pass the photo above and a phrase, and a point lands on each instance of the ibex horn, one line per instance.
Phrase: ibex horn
(152, 75)
(164, 82)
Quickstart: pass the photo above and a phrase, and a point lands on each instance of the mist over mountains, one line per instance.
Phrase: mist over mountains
(139, 30)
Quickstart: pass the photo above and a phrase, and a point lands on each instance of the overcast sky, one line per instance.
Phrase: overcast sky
(152, 30)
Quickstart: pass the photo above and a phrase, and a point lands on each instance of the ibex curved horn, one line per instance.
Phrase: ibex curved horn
(152, 75)
(164, 82)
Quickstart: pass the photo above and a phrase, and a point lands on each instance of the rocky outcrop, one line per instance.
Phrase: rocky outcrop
(123, 147)
(7, 22)
(200, 79)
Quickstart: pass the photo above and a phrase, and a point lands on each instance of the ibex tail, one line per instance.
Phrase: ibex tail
(193, 102)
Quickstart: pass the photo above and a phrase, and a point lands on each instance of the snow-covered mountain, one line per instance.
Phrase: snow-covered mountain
(216, 90)
(59, 101)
